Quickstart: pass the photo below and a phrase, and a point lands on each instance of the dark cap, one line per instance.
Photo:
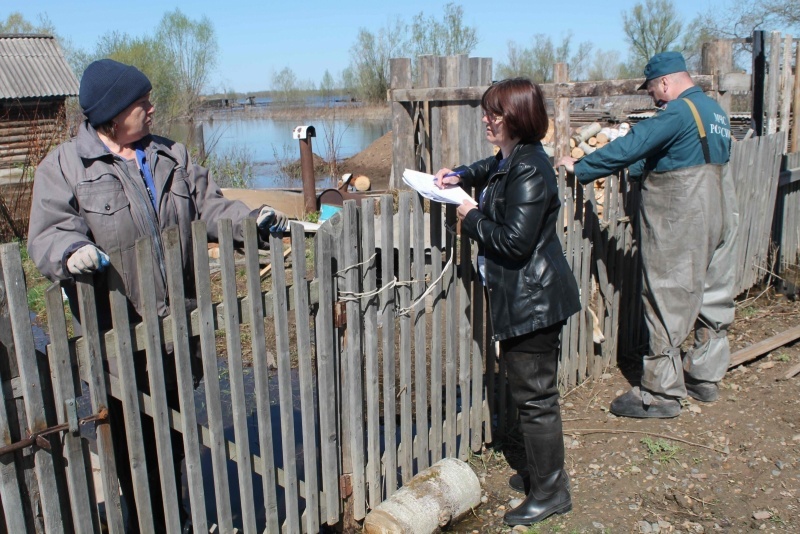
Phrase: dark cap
(108, 87)
(663, 64)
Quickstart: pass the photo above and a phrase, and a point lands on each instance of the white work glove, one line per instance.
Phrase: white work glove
(86, 260)
(272, 220)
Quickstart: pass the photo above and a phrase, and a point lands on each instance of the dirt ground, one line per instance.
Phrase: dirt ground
(375, 162)
(728, 466)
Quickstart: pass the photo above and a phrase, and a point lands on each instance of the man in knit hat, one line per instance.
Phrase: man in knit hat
(112, 184)
(688, 223)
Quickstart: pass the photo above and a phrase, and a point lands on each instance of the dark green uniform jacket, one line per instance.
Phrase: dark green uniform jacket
(668, 141)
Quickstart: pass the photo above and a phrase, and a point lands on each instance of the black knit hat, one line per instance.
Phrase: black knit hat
(108, 87)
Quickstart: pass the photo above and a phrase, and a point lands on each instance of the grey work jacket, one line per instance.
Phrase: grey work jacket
(83, 193)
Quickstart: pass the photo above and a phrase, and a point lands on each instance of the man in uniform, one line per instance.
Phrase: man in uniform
(688, 221)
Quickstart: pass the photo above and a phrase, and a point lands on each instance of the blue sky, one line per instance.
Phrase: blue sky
(259, 37)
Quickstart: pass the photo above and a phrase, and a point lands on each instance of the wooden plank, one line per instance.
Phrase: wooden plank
(597, 88)
(773, 82)
(369, 307)
(451, 334)
(326, 377)
(16, 295)
(82, 501)
(354, 387)
(437, 325)
(428, 76)
(752, 352)
(796, 104)
(129, 397)
(786, 86)
(402, 122)
(478, 379)
(258, 348)
(292, 523)
(404, 393)
(585, 345)
(233, 343)
(11, 487)
(464, 343)
(388, 348)
(208, 348)
(158, 392)
(306, 372)
(183, 367)
(422, 452)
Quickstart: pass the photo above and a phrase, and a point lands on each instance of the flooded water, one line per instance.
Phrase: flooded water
(270, 143)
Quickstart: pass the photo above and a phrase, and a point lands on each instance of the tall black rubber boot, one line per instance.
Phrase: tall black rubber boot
(549, 493)
(532, 383)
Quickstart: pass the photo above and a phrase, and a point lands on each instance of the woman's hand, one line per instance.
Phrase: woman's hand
(447, 178)
(465, 208)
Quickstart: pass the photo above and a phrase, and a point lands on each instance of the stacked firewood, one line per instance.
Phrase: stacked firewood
(591, 137)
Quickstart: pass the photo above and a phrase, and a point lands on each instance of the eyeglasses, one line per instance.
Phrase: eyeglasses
(491, 117)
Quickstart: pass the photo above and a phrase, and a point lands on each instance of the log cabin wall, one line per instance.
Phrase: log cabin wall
(29, 129)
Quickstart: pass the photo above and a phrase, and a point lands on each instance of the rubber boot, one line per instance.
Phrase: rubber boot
(532, 383)
(521, 481)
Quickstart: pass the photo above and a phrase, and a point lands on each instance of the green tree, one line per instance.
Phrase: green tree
(327, 86)
(191, 47)
(16, 23)
(651, 28)
(284, 85)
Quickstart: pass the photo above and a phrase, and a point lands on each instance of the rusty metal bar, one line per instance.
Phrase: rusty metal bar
(38, 437)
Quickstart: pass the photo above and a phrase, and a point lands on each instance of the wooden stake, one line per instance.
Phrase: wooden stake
(265, 271)
(752, 352)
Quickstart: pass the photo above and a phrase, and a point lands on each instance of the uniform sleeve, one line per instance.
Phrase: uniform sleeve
(56, 227)
(645, 139)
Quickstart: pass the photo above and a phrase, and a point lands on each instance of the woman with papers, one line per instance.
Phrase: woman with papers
(531, 289)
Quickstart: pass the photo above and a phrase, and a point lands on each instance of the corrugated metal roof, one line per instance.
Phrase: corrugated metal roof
(33, 66)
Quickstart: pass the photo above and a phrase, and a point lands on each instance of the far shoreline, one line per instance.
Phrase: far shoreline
(356, 111)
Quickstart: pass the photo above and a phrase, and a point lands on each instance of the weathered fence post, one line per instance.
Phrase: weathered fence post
(402, 122)
(718, 60)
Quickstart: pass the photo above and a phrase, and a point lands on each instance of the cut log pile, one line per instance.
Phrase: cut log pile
(591, 137)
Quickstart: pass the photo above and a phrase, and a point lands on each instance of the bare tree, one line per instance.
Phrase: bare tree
(368, 73)
(447, 37)
(606, 65)
(651, 28)
(537, 61)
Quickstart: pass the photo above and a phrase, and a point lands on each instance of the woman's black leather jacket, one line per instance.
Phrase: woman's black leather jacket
(530, 283)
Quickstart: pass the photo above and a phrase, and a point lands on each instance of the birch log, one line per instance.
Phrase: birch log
(434, 498)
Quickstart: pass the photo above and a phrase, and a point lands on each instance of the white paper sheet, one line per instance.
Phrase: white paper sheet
(425, 185)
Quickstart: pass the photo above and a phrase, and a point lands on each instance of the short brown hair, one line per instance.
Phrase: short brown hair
(521, 104)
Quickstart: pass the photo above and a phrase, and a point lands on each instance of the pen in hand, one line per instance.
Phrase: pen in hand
(440, 182)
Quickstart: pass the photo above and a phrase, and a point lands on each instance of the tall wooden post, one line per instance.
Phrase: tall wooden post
(717, 60)
(402, 122)
(759, 74)
(796, 106)
(561, 118)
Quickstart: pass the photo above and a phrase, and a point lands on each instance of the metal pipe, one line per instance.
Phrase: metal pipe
(304, 134)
